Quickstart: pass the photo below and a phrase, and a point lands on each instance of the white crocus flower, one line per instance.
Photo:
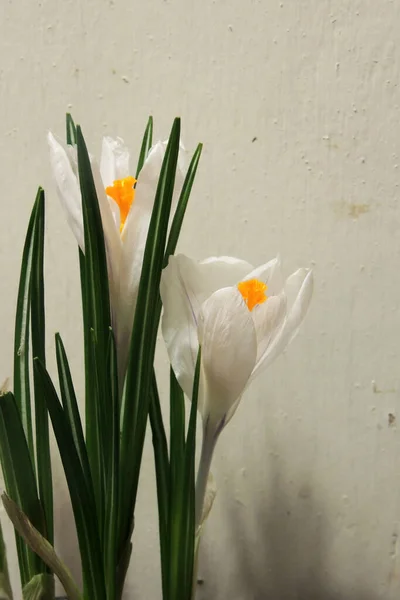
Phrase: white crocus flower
(126, 206)
(243, 318)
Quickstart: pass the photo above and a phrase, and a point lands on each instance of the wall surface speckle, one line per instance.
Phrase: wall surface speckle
(298, 106)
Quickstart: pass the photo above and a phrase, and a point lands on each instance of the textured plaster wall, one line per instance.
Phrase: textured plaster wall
(297, 103)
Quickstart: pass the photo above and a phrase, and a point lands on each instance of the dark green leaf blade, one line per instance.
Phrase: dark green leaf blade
(146, 145)
(21, 338)
(180, 211)
(71, 409)
(70, 129)
(82, 498)
(20, 476)
(161, 461)
(44, 473)
(189, 491)
(112, 477)
(97, 308)
(136, 394)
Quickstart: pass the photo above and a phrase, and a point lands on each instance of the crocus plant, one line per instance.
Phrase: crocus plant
(223, 322)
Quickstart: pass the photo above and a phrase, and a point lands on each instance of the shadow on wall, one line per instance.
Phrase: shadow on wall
(289, 563)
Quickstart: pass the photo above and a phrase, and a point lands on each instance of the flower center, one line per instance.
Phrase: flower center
(123, 192)
(253, 292)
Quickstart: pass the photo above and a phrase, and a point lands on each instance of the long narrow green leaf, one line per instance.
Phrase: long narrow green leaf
(182, 204)
(136, 397)
(156, 421)
(42, 548)
(70, 404)
(176, 471)
(146, 145)
(21, 339)
(122, 569)
(181, 516)
(70, 130)
(25, 489)
(44, 474)
(5, 585)
(112, 481)
(162, 477)
(102, 452)
(188, 541)
(71, 409)
(177, 426)
(83, 502)
(10, 481)
(97, 308)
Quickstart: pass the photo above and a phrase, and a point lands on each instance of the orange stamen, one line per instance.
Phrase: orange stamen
(123, 192)
(253, 292)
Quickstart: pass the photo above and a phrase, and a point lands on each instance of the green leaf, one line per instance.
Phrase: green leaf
(136, 395)
(112, 480)
(189, 493)
(19, 475)
(70, 130)
(42, 548)
(181, 515)
(161, 461)
(176, 499)
(122, 568)
(82, 497)
(10, 481)
(165, 491)
(21, 338)
(5, 585)
(146, 145)
(177, 426)
(44, 475)
(97, 309)
(71, 409)
(182, 204)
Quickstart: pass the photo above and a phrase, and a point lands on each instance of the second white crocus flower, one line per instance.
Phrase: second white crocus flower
(126, 206)
(243, 318)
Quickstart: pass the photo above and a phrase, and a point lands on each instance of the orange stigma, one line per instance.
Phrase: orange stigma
(123, 192)
(253, 292)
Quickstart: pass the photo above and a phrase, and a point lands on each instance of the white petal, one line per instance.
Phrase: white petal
(229, 351)
(185, 285)
(179, 326)
(67, 187)
(271, 274)
(269, 318)
(298, 289)
(116, 213)
(114, 162)
(206, 277)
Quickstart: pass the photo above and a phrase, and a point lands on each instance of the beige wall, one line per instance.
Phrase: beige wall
(297, 103)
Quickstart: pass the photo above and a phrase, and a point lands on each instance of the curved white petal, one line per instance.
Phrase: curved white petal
(271, 274)
(114, 163)
(179, 325)
(298, 289)
(67, 187)
(269, 318)
(206, 277)
(116, 213)
(229, 352)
